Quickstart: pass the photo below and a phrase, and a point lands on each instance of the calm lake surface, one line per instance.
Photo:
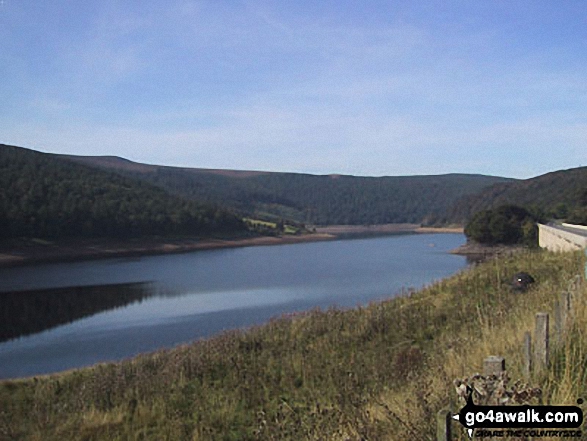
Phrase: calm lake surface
(61, 316)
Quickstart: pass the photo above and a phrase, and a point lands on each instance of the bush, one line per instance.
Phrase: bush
(508, 225)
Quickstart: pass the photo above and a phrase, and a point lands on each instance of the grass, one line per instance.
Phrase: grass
(257, 222)
(381, 371)
(264, 226)
(290, 229)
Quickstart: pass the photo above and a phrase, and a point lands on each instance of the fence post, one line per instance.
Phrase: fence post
(567, 303)
(559, 320)
(443, 428)
(562, 311)
(493, 365)
(541, 345)
(527, 354)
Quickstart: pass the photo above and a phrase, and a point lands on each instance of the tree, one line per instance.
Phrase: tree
(578, 216)
(478, 228)
(508, 225)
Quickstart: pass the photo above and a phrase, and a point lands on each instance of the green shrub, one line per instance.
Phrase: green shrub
(508, 224)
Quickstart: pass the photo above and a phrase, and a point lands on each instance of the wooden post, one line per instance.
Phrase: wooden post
(443, 428)
(567, 304)
(562, 312)
(558, 322)
(493, 365)
(541, 344)
(527, 354)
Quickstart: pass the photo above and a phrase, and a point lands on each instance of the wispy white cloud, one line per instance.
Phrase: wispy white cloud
(256, 85)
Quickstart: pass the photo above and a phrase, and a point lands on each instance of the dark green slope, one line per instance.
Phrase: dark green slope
(555, 194)
(331, 199)
(45, 196)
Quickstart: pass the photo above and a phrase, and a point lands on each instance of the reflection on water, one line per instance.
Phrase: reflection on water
(60, 316)
(27, 312)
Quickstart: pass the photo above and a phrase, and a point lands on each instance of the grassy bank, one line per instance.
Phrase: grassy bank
(377, 372)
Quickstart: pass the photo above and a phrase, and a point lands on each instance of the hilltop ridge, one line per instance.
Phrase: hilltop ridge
(556, 194)
(333, 199)
(306, 198)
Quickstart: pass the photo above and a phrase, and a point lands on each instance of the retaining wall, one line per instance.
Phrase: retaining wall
(557, 239)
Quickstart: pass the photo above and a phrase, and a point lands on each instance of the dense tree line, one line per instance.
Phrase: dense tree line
(327, 199)
(45, 196)
(560, 195)
(315, 199)
(302, 198)
(508, 225)
(578, 215)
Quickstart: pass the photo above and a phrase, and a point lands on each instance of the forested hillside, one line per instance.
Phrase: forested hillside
(332, 199)
(44, 196)
(561, 194)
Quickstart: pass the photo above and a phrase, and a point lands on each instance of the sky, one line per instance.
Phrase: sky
(370, 87)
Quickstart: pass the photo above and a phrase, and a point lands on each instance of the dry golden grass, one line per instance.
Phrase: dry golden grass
(501, 332)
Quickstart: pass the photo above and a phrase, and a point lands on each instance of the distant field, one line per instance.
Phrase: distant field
(286, 228)
(385, 228)
(358, 229)
(257, 222)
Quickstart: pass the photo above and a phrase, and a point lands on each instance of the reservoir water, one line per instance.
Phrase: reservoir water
(65, 315)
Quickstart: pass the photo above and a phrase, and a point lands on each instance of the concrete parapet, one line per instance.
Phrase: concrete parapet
(557, 239)
(580, 227)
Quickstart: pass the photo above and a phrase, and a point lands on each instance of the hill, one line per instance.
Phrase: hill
(45, 196)
(313, 199)
(555, 194)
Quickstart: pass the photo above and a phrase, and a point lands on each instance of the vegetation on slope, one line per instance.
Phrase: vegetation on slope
(44, 196)
(507, 225)
(377, 372)
(579, 214)
(561, 194)
(303, 198)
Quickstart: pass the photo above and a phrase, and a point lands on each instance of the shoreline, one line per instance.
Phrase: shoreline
(36, 251)
(81, 250)
(385, 229)
(483, 251)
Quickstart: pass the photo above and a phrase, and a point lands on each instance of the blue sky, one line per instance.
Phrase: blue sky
(367, 88)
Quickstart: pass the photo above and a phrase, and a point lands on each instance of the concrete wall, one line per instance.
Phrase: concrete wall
(580, 227)
(556, 239)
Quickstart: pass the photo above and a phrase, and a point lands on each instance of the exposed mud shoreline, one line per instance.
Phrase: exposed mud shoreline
(24, 252)
(35, 252)
(384, 229)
